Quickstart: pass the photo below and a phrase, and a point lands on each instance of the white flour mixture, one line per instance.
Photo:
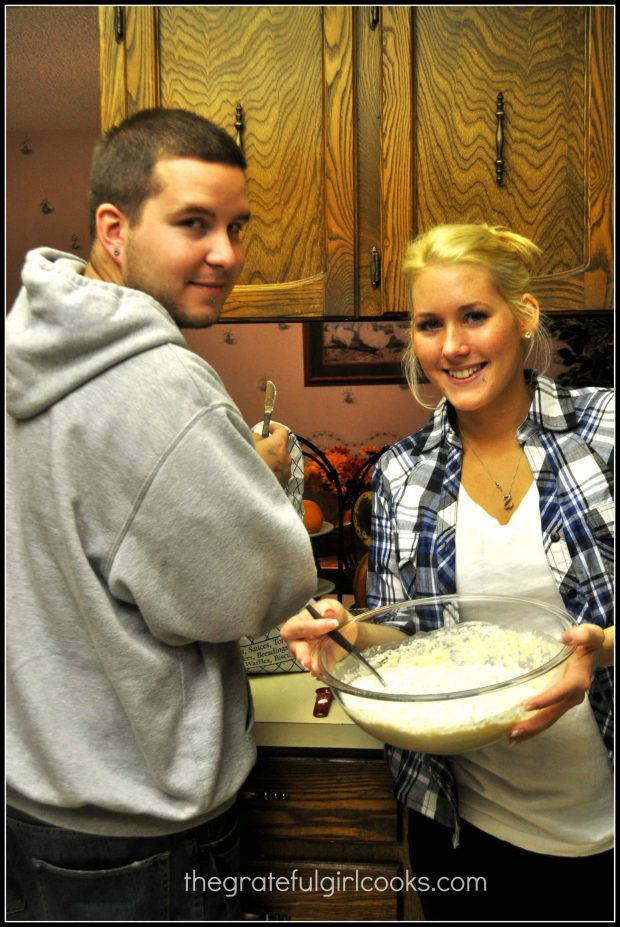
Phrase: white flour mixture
(459, 658)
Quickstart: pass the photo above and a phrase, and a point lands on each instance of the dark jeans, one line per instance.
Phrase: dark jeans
(55, 874)
(505, 883)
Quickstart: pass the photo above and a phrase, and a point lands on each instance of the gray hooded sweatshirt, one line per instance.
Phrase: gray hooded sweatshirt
(145, 536)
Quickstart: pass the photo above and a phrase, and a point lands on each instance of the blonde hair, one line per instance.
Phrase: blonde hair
(510, 258)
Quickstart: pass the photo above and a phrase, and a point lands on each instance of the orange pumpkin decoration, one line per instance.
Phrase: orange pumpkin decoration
(313, 516)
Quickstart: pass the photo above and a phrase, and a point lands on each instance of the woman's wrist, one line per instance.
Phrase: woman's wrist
(606, 650)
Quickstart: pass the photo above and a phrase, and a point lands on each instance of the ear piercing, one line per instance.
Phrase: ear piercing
(116, 252)
(527, 335)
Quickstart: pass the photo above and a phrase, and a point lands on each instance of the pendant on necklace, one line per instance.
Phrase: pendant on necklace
(508, 503)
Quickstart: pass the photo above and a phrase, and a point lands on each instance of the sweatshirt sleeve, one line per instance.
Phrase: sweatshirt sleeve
(213, 549)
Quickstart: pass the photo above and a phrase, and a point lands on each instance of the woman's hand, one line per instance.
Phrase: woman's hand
(302, 632)
(594, 648)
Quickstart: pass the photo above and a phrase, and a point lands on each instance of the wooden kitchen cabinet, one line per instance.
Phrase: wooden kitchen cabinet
(365, 125)
(553, 67)
(290, 70)
(432, 87)
(328, 828)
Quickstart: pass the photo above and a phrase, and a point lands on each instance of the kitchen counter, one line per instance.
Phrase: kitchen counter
(283, 706)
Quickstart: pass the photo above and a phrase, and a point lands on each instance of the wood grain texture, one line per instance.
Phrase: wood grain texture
(384, 155)
(299, 299)
(319, 815)
(535, 56)
(368, 44)
(128, 69)
(289, 800)
(599, 279)
(112, 61)
(269, 60)
(339, 160)
(397, 153)
(358, 138)
(322, 891)
(142, 61)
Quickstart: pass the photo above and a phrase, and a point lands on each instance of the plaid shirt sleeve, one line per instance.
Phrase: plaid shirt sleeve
(569, 440)
(403, 564)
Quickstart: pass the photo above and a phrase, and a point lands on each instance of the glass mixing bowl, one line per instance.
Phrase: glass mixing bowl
(453, 689)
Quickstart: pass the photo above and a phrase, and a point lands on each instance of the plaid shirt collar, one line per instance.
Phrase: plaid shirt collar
(551, 409)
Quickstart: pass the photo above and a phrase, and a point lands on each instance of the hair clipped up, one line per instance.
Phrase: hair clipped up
(510, 258)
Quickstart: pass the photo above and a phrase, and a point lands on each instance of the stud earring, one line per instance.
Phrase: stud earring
(116, 252)
(527, 335)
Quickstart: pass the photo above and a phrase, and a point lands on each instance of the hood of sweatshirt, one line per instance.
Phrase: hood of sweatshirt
(65, 329)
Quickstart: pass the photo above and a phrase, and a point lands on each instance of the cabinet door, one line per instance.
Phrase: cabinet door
(283, 78)
(553, 68)
(384, 120)
(318, 825)
(365, 125)
(286, 797)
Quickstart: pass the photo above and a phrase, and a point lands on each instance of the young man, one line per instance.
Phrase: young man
(145, 537)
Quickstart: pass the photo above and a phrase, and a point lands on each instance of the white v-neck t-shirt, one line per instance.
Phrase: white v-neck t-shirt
(554, 793)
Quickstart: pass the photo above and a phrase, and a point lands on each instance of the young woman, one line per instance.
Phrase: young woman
(507, 490)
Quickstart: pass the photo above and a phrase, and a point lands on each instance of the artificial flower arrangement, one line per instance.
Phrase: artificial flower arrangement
(345, 463)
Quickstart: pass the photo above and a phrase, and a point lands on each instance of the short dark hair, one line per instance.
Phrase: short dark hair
(124, 159)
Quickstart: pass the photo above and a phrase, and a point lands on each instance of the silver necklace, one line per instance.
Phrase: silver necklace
(508, 503)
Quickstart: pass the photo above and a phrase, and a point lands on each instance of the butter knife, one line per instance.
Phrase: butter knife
(270, 400)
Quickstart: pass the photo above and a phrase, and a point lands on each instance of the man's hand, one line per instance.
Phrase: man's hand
(274, 451)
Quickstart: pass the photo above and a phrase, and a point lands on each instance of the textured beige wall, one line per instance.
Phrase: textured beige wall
(327, 415)
(57, 169)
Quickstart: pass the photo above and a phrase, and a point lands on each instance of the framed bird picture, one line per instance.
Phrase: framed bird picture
(349, 352)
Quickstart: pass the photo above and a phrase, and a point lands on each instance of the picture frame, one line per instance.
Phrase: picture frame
(354, 352)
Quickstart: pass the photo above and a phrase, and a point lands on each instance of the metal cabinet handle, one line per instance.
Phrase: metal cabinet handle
(265, 795)
(119, 24)
(239, 125)
(499, 140)
(375, 269)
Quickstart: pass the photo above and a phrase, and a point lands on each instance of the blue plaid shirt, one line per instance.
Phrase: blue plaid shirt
(568, 438)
